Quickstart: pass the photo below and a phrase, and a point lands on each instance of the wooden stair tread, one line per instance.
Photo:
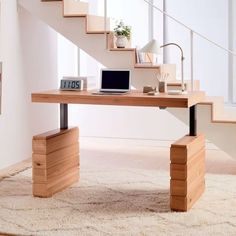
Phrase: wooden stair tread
(212, 99)
(75, 15)
(97, 32)
(219, 114)
(83, 15)
(122, 49)
(224, 121)
(177, 82)
(226, 117)
(146, 66)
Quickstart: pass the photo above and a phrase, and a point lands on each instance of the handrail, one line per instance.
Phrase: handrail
(190, 29)
(105, 23)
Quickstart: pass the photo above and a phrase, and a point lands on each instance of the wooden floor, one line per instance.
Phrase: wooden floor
(152, 155)
(119, 152)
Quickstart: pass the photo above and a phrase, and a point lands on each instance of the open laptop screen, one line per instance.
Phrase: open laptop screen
(115, 80)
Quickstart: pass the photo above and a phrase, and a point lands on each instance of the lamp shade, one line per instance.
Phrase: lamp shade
(152, 47)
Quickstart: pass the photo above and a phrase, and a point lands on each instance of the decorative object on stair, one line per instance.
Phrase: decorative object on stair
(153, 48)
(182, 69)
(122, 33)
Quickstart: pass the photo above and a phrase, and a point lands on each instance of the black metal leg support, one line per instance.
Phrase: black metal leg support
(192, 121)
(63, 116)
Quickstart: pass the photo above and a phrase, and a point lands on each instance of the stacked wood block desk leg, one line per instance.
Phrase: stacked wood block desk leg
(187, 171)
(55, 161)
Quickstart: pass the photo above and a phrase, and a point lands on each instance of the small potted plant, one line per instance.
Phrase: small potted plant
(122, 33)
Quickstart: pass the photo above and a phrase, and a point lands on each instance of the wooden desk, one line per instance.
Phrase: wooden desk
(187, 148)
(132, 99)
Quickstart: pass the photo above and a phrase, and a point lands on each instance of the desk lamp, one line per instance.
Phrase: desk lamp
(182, 64)
(151, 47)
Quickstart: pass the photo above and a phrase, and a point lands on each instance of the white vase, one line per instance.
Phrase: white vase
(121, 41)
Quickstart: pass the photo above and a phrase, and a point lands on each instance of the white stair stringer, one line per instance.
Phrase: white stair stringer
(74, 29)
(221, 131)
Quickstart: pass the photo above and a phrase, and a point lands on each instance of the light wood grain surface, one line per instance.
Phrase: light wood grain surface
(134, 98)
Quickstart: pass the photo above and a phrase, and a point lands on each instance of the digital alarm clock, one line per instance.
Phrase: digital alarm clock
(71, 84)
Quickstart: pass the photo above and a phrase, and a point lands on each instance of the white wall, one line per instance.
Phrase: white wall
(29, 57)
(67, 59)
(210, 18)
(39, 56)
(233, 29)
(1, 63)
(158, 21)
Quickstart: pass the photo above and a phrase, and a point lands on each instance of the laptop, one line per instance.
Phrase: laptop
(114, 81)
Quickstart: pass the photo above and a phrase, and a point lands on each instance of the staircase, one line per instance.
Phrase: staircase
(72, 20)
(215, 121)
(88, 33)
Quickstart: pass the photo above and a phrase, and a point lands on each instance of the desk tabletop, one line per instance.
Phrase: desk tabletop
(134, 98)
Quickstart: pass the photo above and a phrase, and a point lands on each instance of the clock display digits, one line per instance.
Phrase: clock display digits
(71, 84)
(64, 84)
(77, 84)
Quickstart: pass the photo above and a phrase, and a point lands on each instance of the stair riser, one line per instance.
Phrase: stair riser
(96, 23)
(73, 8)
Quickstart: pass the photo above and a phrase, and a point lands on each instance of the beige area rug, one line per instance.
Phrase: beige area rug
(116, 202)
(123, 191)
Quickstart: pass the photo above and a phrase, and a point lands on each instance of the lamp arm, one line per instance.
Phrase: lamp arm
(182, 62)
(174, 44)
